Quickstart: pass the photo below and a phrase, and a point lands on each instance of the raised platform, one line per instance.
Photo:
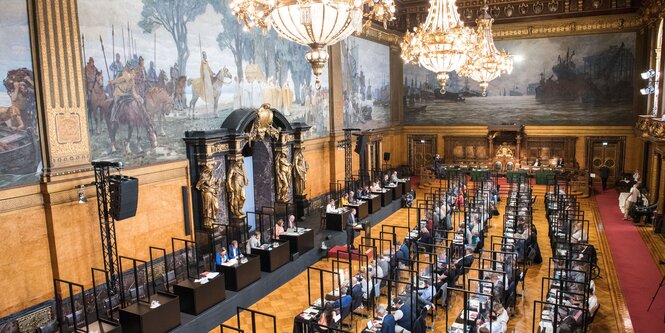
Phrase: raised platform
(341, 251)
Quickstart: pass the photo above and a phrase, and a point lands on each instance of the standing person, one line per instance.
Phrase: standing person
(350, 231)
(116, 66)
(633, 196)
(604, 174)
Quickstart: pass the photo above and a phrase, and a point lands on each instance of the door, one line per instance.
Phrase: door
(607, 152)
(422, 149)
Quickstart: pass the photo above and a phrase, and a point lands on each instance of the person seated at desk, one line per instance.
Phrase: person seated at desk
(343, 303)
(426, 294)
(426, 239)
(402, 254)
(352, 198)
(279, 228)
(536, 163)
(234, 251)
(376, 187)
(330, 208)
(221, 256)
(345, 200)
(356, 292)
(465, 261)
(393, 177)
(386, 322)
(326, 319)
(292, 222)
(386, 181)
(403, 315)
(254, 241)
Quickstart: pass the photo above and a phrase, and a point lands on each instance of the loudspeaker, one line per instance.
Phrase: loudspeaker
(386, 157)
(361, 142)
(124, 195)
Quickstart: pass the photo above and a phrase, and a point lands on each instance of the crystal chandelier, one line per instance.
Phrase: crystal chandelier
(315, 23)
(485, 63)
(441, 44)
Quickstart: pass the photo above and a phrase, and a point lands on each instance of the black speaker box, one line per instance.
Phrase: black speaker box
(386, 156)
(295, 256)
(361, 142)
(124, 196)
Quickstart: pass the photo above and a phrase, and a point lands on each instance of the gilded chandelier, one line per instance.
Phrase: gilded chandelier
(485, 63)
(315, 23)
(441, 44)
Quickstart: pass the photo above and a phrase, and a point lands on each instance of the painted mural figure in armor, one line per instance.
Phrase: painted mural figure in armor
(209, 186)
(300, 168)
(235, 187)
(283, 173)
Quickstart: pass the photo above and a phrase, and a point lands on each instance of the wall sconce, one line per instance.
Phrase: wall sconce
(82, 198)
(650, 75)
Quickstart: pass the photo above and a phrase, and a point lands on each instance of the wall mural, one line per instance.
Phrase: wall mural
(171, 73)
(575, 80)
(366, 83)
(20, 156)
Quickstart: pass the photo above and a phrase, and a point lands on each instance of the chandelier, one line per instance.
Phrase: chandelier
(485, 63)
(441, 44)
(315, 23)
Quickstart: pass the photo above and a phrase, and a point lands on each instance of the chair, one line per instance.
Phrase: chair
(50, 327)
(132, 293)
(79, 319)
(322, 216)
(169, 277)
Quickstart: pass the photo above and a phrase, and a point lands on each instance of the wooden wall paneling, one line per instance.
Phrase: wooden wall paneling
(421, 151)
(466, 149)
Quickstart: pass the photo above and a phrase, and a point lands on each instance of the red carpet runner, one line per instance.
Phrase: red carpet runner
(638, 274)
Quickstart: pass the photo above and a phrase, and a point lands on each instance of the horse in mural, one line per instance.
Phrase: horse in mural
(99, 103)
(132, 114)
(158, 104)
(218, 81)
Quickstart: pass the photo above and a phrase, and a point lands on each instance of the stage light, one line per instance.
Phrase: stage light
(648, 74)
(82, 198)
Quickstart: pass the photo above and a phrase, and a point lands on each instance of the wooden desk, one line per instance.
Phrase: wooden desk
(386, 197)
(373, 203)
(404, 185)
(362, 210)
(273, 258)
(196, 298)
(337, 221)
(299, 242)
(239, 276)
(140, 318)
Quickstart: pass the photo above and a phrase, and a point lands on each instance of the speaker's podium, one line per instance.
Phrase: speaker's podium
(124, 196)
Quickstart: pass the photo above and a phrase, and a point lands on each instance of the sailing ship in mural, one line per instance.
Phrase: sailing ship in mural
(366, 83)
(20, 154)
(152, 75)
(578, 80)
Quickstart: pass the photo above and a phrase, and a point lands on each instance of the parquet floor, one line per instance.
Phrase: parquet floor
(288, 300)
(655, 243)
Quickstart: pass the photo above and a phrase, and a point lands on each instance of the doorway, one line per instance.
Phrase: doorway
(607, 151)
(422, 149)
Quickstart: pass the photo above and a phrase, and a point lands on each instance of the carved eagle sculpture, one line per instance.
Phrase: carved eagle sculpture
(263, 124)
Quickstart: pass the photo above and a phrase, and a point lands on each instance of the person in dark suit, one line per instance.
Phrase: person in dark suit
(386, 181)
(387, 324)
(604, 175)
(234, 251)
(356, 293)
(350, 232)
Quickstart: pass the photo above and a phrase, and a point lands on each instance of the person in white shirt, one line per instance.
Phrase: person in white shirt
(536, 163)
(254, 241)
(292, 222)
(633, 196)
(330, 208)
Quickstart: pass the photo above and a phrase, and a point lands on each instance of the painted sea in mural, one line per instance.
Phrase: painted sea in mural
(578, 80)
(172, 73)
(366, 83)
(20, 156)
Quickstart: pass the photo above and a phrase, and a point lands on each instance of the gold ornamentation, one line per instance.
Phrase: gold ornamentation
(504, 150)
(68, 128)
(236, 180)
(657, 129)
(263, 125)
(283, 176)
(218, 148)
(209, 185)
(566, 27)
(33, 320)
(300, 168)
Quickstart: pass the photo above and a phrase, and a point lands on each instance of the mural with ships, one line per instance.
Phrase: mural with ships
(569, 81)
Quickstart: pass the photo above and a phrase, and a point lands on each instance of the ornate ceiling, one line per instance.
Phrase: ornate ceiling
(411, 12)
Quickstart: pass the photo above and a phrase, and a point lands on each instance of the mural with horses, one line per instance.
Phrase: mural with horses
(155, 69)
(20, 155)
(366, 83)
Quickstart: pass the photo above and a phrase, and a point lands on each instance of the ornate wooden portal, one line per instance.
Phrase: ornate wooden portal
(422, 149)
